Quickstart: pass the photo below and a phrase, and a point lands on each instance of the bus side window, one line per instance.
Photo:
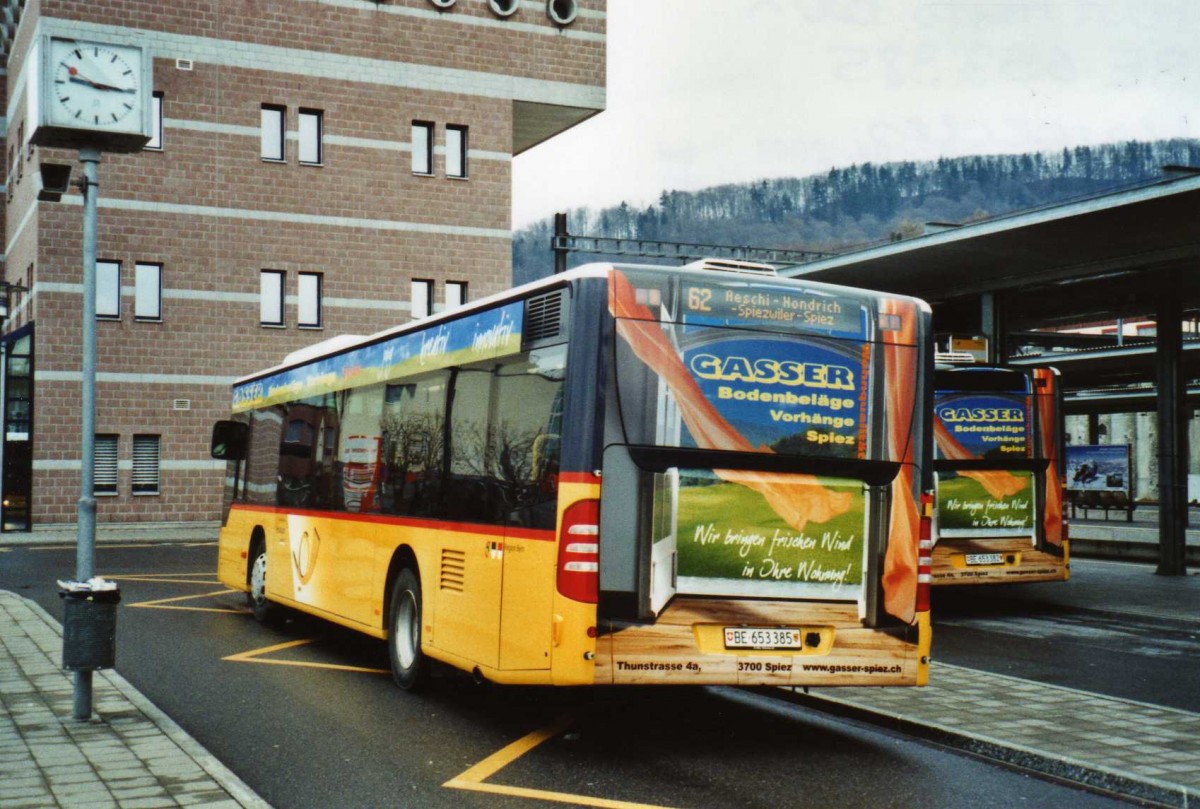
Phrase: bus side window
(360, 461)
(306, 462)
(262, 455)
(527, 436)
(413, 427)
(470, 487)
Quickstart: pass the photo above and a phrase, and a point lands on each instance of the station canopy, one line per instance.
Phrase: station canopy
(1085, 262)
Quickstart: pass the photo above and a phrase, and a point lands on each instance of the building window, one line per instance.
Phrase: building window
(145, 464)
(147, 296)
(104, 465)
(310, 136)
(456, 151)
(422, 147)
(456, 294)
(272, 131)
(271, 298)
(156, 122)
(309, 304)
(108, 290)
(422, 295)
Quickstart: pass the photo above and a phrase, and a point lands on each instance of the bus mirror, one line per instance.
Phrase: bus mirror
(229, 440)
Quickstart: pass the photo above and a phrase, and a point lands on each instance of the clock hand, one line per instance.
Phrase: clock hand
(75, 76)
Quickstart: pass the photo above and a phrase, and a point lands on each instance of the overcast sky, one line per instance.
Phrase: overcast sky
(703, 92)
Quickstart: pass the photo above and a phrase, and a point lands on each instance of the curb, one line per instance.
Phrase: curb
(225, 778)
(117, 534)
(1126, 550)
(1090, 776)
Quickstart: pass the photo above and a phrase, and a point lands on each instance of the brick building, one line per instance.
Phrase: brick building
(318, 168)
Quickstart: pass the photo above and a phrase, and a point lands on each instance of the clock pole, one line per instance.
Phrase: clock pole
(85, 550)
(95, 96)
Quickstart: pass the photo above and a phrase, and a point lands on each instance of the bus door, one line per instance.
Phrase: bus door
(471, 564)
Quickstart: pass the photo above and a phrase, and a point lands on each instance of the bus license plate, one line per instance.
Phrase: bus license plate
(984, 558)
(750, 637)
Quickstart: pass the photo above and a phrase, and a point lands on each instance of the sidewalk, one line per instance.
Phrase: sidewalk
(118, 532)
(1112, 536)
(1140, 751)
(129, 755)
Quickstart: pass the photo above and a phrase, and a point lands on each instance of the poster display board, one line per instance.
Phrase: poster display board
(1099, 468)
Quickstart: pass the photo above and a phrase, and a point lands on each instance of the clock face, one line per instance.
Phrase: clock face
(96, 86)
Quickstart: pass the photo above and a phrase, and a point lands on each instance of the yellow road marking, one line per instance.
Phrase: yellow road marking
(158, 604)
(156, 579)
(256, 656)
(474, 778)
(184, 575)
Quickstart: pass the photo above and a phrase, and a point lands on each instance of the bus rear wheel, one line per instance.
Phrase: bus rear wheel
(409, 666)
(264, 611)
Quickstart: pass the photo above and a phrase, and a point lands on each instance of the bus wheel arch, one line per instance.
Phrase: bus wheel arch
(256, 578)
(404, 609)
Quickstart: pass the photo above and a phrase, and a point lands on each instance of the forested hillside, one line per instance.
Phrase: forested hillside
(862, 203)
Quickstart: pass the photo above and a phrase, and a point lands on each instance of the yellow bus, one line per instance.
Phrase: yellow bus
(998, 436)
(616, 475)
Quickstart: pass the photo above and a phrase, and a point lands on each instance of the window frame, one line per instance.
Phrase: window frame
(155, 144)
(281, 275)
(138, 269)
(306, 114)
(147, 488)
(426, 153)
(458, 152)
(106, 465)
(427, 285)
(265, 128)
(319, 279)
(116, 266)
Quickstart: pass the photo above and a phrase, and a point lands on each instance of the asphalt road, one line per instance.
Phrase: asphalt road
(1080, 634)
(306, 714)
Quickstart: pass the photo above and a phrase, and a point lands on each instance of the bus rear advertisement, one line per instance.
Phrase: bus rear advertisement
(997, 438)
(620, 474)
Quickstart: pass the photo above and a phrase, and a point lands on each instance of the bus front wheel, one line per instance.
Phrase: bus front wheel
(264, 611)
(409, 667)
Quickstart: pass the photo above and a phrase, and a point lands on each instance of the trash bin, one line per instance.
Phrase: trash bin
(89, 624)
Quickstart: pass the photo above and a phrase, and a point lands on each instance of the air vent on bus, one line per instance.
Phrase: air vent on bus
(730, 265)
(544, 316)
(454, 570)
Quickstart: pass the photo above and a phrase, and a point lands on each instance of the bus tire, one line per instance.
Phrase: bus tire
(264, 611)
(410, 669)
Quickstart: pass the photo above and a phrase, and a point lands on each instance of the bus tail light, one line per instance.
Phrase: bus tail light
(579, 552)
(925, 554)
